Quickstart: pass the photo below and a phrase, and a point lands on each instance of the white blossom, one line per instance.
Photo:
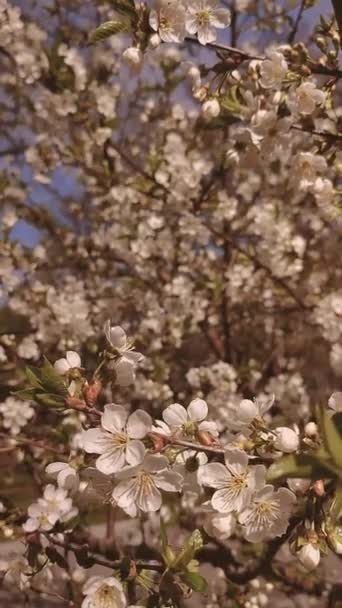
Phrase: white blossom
(305, 98)
(55, 506)
(267, 515)
(168, 19)
(309, 555)
(211, 109)
(118, 441)
(335, 401)
(16, 414)
(190, 420)
(66, 475)
(203, 16)
(71, 361)
(139, 487)
(286, 440)
(103, 592)
(273, 69)
(234, 482)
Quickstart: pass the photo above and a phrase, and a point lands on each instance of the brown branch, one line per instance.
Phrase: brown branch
(337, 6)
(31, 443)
(102, 561)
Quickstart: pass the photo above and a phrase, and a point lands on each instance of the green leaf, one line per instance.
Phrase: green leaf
(32, 378)
(195, 581)
(107, 29)
(50, 400)
(51, 380)
(126, 7)
(191, 546)
(163, 534)
(306, 466)
(332, 438)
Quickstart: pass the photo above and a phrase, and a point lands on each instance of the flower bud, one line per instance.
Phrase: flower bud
(154, 41)
(311, 429)
(211, 109)
(91, 392)
(299, 485)
(133, 57)
(247, 410)
(309, 556)
(286, 440)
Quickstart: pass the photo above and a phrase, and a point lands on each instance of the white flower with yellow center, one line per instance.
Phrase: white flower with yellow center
(72, 360)
(119, 440)
(203, 17)
(168, 19)
(128, 359)
(234, 481)
(268, 514)
(273, 69)
(305, 98)
(190, 420)
(139, 487)
(103, 592)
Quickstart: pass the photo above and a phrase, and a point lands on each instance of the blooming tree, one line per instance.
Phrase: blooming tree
(170, 182)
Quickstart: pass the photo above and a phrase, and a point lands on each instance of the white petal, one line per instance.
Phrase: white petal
(117, 337)
(223, 501)
(55, 467)
(175, 415)
(124, 493)
(73, 358)
(197, 410)
(61, 366)
(111, 461)
(139, 424)
(335, 401)
(154, 464)
(125, 371)
(31, 525)
(114, 418)
(135, 452)
(96, 441)
(169, 481)
(236, 460)
(149, 501)
(214, 475)
(247, 410)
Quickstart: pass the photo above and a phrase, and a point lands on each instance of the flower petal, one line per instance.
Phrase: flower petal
(169, 481)
(139, 424)
(61, 366)
(96, 441)
(197, 410)
(175, 415)
(73, 358)
(111, 461)
(125, 492)
(214, 475)
(114, 418)
(135, 452)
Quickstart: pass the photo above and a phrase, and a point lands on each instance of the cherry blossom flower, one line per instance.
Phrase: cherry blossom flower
(119, 440)
(268, 513)
(203, 16)
(335, 401)
(66, 475)
(139, 487)
(309, 555)
(287, 440)
(273, 69)
(305, 98)
(220, 525)
(168, 19)
(103, 592)
(16, 414)
(190, 420)
(55, 506)
(71, 361)
(234, 481)
(125, 365)
(243, 414)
